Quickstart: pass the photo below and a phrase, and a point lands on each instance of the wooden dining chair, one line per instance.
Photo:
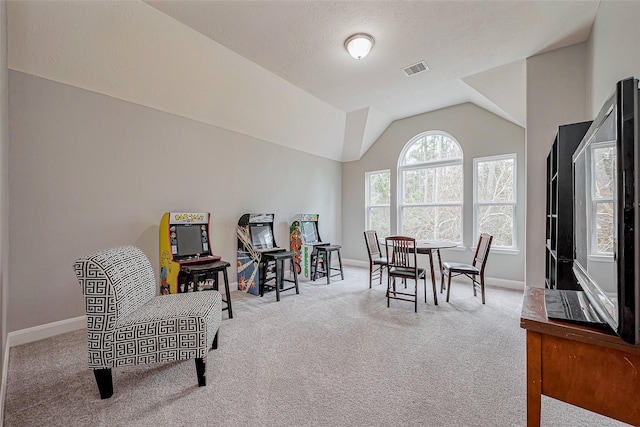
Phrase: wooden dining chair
(403, 263)
(473, 270)
(377, 263)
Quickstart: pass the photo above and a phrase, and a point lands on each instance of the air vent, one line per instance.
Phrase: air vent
(415, 68)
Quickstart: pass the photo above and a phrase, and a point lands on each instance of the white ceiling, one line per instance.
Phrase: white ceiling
(278, 70)
(475, 49)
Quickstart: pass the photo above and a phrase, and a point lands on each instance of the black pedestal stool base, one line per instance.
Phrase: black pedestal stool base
(324, 253)
(276, 282)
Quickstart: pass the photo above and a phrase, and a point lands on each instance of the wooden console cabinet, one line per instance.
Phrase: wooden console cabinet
(578, 365)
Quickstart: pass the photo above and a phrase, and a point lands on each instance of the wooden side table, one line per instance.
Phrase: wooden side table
(578, 365)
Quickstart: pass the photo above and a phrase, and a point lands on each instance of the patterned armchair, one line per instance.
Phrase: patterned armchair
(128, 324)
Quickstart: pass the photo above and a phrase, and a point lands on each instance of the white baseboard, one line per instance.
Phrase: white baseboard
(36, 333)
(490, 281)
(503, 283)
(355, 263)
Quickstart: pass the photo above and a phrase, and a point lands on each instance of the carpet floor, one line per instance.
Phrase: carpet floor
(334, 355)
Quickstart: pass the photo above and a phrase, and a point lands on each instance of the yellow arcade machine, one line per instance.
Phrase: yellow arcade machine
(184, 241)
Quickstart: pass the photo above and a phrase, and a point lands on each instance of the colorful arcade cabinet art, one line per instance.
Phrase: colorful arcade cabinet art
(304, 240)
(255, 237)
(184, 240)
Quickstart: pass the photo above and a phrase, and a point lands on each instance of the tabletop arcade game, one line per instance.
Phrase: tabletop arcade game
(255, 238)
(304, 240)
(184, 242)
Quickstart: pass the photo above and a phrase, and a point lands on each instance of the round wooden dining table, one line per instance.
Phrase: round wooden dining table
(427, 247)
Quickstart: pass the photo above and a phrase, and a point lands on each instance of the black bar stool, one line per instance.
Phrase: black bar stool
(196, 273)
(278, 258)
(324, 253)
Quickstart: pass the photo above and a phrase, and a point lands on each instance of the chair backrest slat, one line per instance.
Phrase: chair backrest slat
(401, 251)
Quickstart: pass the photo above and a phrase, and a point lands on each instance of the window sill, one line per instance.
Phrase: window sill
(501, 251)
(458, 248)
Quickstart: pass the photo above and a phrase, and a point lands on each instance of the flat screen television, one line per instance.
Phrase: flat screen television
(605, 181)
(189, 240)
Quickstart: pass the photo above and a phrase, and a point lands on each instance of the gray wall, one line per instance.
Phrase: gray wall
(612, 52)
(480, 133)
(566, 86)
(4, 187)
(64, 141)
(90, 171)
(556, 85)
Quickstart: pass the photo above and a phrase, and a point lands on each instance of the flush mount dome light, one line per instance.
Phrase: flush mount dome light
(359, 45)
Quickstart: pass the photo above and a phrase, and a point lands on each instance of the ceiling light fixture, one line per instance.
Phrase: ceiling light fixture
(359, 45)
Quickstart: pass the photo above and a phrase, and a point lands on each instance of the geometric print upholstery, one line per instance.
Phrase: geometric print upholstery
(128, 324)
(180, 332)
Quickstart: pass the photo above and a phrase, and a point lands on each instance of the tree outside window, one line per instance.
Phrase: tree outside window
(495, 199)
(431, 184)
(378, 196)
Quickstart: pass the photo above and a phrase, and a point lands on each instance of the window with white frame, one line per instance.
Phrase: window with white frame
(378, 195)
(430, 183)
(495, 199)
(603, 160)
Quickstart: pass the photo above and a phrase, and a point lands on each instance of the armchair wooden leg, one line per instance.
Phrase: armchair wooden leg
(201, 371)
(482, 286)
(215, 340)
(449, 286)
(105, 382)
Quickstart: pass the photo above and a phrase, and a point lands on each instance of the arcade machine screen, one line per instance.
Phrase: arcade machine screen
(189, 239)
(309, 231)
(261, 237)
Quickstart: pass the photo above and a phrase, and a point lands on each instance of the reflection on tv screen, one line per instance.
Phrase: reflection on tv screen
(309, 231)
(261, 236)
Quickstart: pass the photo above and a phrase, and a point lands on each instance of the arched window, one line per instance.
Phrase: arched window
(430, 183)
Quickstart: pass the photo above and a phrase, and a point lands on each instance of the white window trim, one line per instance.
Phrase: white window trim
(601, 257)
(430, 164)
(367, 206)
(513, 249)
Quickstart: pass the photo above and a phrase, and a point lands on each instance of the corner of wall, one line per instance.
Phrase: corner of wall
(4, 209)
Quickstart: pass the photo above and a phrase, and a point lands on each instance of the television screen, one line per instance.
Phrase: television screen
(595, 207)
(309, 232)
(261, 236)
(606, 221)
(189, 240)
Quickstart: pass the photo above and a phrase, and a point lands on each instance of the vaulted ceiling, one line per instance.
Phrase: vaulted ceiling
(475, 50)
(278, 70)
